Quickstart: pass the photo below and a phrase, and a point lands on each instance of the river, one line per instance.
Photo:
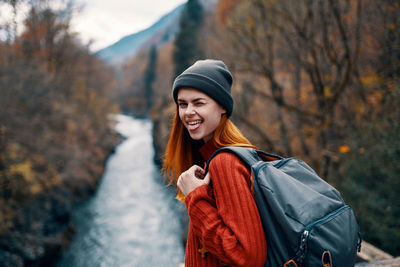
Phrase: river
(133, 219)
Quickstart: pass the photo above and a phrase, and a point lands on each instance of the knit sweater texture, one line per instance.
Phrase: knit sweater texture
(224, 220)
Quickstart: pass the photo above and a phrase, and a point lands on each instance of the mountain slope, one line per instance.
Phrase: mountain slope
(162, 31)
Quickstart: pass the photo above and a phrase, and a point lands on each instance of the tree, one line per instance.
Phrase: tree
(312, 39)
(186, 44)
(330, 70)
(368, 173)
(54, 131)
(149, 77)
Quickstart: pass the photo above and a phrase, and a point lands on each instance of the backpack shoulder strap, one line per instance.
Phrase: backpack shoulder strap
(247, 155)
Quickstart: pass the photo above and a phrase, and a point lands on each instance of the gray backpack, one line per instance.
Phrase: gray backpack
(305, 220)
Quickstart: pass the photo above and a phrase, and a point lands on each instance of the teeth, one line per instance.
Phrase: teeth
(194, 122)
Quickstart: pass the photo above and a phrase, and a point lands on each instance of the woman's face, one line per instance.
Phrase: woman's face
(199, 113)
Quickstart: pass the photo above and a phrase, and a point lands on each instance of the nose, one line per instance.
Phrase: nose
(190, 109)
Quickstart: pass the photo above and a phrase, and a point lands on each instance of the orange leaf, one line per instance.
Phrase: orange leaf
(344, 149)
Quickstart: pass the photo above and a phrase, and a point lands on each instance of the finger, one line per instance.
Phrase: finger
(179, 182)
(181, 179)
(207, 179)
(195, 168)
(197, 171)
(199, 174)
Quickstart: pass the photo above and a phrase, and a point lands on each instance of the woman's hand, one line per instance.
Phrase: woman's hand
(191, 179)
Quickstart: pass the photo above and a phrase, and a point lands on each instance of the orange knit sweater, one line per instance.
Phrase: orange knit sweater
(224, 219)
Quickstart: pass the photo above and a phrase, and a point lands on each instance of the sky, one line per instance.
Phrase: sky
(104, 22)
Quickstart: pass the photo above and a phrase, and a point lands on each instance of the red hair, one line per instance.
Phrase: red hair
(182, 151)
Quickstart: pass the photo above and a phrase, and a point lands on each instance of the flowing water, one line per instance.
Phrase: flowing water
(133, 219)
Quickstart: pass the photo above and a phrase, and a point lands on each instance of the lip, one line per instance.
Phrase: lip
(193, 125)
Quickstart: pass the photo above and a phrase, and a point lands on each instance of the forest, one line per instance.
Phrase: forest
(55, 135)
(317, 80)
(313, 79)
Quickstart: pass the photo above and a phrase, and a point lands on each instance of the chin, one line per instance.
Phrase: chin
(196, 137)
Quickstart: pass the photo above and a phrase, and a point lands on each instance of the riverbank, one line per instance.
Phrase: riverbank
(36, 226)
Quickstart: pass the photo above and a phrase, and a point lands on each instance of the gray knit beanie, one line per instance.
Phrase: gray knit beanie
(210, 76)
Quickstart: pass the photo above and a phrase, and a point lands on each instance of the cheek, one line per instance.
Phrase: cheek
(213, 119)
(180, 114)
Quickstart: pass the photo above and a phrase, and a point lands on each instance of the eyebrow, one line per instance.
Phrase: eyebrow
(194, 100)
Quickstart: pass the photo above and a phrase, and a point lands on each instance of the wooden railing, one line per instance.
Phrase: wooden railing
(371, 256)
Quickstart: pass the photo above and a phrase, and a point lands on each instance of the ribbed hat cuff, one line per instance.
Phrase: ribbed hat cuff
(205, 85)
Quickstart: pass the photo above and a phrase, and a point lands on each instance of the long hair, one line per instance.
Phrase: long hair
(182, 151)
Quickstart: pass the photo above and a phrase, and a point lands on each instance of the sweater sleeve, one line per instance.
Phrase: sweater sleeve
(225, 217)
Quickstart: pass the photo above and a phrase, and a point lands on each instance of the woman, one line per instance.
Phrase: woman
(225, 227)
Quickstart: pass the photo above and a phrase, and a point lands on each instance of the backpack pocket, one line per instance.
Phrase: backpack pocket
(291, 198)
(334, 235)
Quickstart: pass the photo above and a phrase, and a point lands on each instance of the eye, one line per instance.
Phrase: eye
(182, 105)
(199, 103)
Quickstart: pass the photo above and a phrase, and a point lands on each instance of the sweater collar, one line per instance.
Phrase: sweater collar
(207, 150)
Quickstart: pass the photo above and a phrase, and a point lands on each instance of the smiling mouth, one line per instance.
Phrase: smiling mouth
(193, 125)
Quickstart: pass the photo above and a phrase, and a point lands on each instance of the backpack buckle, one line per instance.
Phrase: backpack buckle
(290, 263)
(326, 259)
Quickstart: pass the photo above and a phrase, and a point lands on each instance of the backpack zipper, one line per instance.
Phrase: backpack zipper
(301, 252)
(277, 165)
(310, 226)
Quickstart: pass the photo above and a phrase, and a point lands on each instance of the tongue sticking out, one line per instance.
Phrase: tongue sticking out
(194, 126)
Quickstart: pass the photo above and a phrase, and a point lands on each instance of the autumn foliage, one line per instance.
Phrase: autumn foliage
(317, 80)
(54, 131)
(320, 80)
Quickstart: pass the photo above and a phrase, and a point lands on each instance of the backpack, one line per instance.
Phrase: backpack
(305, 220)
